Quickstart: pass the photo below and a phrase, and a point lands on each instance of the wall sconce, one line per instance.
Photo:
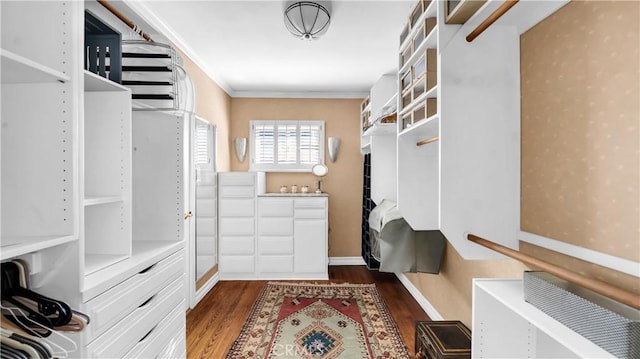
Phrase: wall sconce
(240, 144)
(333, 144)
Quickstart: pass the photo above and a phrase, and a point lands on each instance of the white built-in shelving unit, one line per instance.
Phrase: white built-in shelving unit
(505, 326)
(106, 164)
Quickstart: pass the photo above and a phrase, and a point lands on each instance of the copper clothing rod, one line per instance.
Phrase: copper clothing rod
(605, 289)
(125, 19)
(427, 140)
(491, 19)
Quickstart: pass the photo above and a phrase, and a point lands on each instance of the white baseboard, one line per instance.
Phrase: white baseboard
(206, 288)
(422, 301)
(346, 261)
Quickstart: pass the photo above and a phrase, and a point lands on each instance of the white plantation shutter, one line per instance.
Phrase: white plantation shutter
(264, 141)
(203, 146)
(286, 145)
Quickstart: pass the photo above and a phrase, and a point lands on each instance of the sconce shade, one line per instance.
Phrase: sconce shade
(240, 144)
(306, 20)
(333, 145)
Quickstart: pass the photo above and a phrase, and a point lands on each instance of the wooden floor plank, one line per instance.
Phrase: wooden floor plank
(217, 320)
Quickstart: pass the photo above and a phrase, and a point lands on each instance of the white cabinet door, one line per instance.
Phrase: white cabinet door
(310, 245)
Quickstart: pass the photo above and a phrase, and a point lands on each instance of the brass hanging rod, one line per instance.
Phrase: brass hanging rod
(125, 19)
(605, 289)
(427, 140)
(508, 4)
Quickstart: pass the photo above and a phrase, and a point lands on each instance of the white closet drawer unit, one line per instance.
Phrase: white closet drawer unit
(236, 179)
(124, 335)
(237, 264)
(275, 245)
(275, 207)
(277, 226)
(237, 208)
(237, 245)
(276, 264)
(236, 226)
(111, 306)
(236, 192)
(311, 202)
(175, 348)
(152, 344)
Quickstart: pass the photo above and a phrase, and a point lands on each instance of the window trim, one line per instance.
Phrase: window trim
(282, 167)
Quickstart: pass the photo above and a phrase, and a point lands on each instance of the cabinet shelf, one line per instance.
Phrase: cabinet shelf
(96, 262)
(423, 128)
(429, 12)
(508, 296)
(431, 93)
(93, 82)
(17, 246)
(430, 42)
(17, 69)
(98, 200)
(381, 129)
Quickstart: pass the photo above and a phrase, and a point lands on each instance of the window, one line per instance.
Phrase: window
(286, 146)
(203, 142)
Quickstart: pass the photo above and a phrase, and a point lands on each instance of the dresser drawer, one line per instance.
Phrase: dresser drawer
(236, 179)
(236, 245)
(275, 245)
(275, 207)
(275, 264)
(315, 213)
(237, 264)
(236, 192)
(175, 348)
(170, 328)
(279, 226)
(310, 203)
(110, 307)
(237, 208)
(125, 334)
(236, 226)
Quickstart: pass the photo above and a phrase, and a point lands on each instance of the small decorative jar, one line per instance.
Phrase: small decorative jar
(294, 188)
(283, 189)
(304, 189)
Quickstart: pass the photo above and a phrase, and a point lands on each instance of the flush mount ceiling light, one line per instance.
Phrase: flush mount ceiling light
(306, 20)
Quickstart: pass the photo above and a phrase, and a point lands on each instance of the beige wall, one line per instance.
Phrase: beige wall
(344, 181)
(580, 119)
(214, 105)
(580, 150)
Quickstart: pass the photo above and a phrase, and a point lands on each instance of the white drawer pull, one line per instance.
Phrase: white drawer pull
(148, 333)
(147, 269)
(147, 301)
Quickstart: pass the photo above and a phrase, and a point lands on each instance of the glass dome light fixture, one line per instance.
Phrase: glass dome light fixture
(307, 20)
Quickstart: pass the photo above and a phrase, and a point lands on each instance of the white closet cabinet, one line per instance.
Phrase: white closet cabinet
(91, 194)
(292, 237)
(459, 123)
(237, 222)
(39, 99)
(505, 326)
(310, 238)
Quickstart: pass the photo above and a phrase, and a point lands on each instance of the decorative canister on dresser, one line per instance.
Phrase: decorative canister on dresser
(446, 339)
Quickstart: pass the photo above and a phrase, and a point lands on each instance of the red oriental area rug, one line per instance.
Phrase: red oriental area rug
(292, 320)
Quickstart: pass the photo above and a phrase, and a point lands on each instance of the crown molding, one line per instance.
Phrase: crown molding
(301, 94)
(152, 19)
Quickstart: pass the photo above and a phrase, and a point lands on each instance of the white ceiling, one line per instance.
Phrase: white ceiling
(246, 48)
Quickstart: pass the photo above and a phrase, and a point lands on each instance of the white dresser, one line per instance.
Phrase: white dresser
(270, 235)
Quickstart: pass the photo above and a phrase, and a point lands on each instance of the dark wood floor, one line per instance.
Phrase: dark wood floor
(217, 320)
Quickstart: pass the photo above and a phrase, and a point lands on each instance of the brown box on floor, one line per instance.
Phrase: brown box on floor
(442, 340)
